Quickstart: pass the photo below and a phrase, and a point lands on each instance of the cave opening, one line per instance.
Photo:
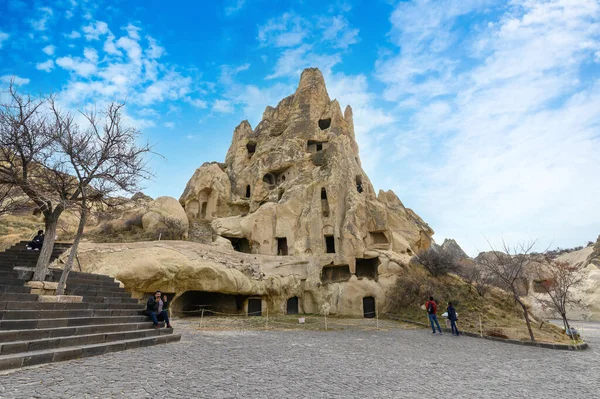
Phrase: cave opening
(367, 268)
(240, 244)
(196, 303)
(330, 244)
(248, 191)
(251, 147)
(335, 273)
(292, 305)
(324, 123)
(369, 307)
(282, 247)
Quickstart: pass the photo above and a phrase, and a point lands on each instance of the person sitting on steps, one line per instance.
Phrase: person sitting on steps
(156, 309)
(37, 242)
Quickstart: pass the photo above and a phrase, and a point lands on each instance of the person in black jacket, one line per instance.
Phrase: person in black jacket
(156, 309)
(37, 242)
(453, 318)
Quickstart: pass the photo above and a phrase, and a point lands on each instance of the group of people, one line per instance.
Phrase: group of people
(431, 307)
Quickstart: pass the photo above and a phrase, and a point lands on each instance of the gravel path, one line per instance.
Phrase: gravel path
(355, 363)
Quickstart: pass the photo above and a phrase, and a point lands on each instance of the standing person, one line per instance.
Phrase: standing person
(431, 307)
(37, 242)
(156, 309)
(452, 317)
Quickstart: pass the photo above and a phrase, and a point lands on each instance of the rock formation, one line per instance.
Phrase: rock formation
(293, 212)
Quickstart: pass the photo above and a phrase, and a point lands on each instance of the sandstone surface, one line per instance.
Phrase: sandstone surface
(290, 217)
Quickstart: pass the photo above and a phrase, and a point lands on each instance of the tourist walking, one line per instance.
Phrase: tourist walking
(431, 307)
(452, 317)
(156, 309)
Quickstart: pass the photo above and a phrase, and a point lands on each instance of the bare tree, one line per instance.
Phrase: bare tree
(480, 280)
(509, 266)
(437, 262)
(27, 160)
(11, 199)
(104, 159)
(557, 280)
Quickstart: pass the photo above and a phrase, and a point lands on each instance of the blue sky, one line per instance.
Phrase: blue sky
(482, 115)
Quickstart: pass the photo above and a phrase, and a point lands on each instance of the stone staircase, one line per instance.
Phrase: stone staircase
(37, 329)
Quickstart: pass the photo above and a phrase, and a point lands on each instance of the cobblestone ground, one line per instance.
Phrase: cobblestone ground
(351, 363)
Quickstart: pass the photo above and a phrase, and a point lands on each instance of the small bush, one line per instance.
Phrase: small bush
(172, 229)
(134, 221)
(437, 262)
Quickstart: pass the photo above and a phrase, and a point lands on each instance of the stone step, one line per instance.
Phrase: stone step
(17, 289)
(83, 275)
(92, 287)
(34, 305)
(68, 322)
(41, 333)
(101, 299)
(76, 352)
(8, 348)
(12, 281)
(12, 314)
(9, 296)
(98, 293)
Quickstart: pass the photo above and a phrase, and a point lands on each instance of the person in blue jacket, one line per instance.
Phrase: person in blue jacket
(453, 318)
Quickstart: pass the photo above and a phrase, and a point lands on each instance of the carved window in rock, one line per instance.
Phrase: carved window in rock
(378, 237)
(248, 191)
(203, 210)
(282, 246)
(314, 146)
(240, 244)
(335, 273)
(324, 202)
(251, 147)
(329, 244)
(324, 123)
(367, 268)
(359, 182)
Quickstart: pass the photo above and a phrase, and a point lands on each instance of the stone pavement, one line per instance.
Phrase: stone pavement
(393, 363)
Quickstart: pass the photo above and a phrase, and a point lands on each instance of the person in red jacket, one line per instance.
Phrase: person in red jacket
(431, 307)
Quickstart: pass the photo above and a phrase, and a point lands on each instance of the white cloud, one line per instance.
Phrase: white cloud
(80, 67)
(154, 50)
(132, 31)
(45, 66)
(169, 125)
(7, 79)
(49, 49)
(197, 103)
(337, 31)
(110, 47)
(3, 38)
(506, 144)
(41, 23)
(69, 14)
(286, 31)
(95, 30)
(228, 73)
(73, 35)
(91, 55)
(222, 107)
(234, 7)
(293, 61)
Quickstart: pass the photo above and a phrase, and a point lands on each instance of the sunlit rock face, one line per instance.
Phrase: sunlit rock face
(293, 187)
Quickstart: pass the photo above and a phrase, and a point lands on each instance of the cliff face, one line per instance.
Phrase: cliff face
(295, 186)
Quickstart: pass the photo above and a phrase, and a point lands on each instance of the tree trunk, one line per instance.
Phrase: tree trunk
(65, 274)
(41, 267)
(526, 316)
(566, 323)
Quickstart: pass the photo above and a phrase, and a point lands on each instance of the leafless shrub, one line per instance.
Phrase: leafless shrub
(437, 262)
(172, 229)
(509, 267)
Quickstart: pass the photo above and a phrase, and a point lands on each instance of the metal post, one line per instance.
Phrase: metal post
(159, 235)
(267, 322)
(201, 317)
(325, 314)
(480, 326)
(377, 318)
